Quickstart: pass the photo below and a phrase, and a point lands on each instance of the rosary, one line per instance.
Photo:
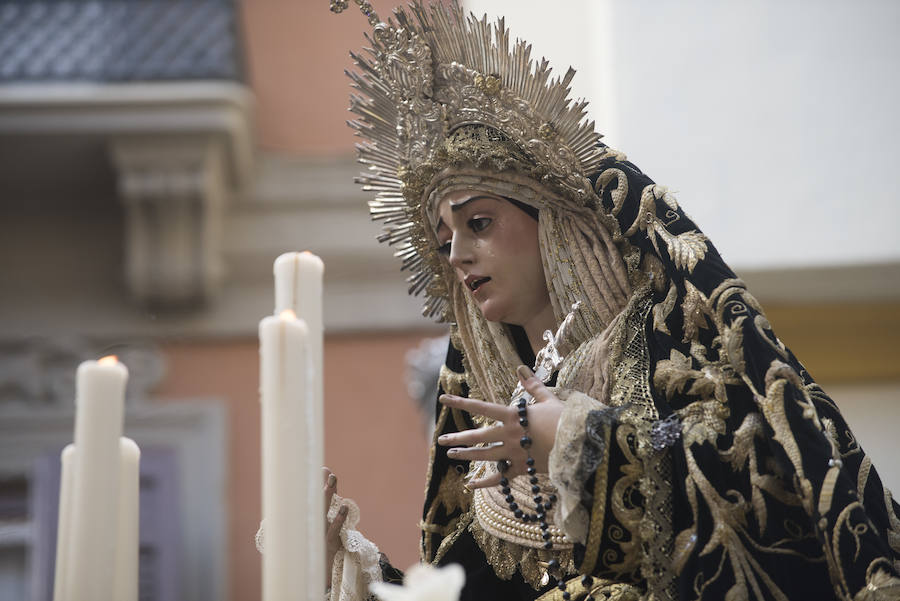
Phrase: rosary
(546, 363)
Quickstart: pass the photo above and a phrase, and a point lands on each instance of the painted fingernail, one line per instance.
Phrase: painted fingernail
(452, 451)
(443, 438)
(524, 372)
(332, 480)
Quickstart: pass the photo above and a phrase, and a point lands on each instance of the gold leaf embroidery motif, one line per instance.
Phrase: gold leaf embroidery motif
(685, 249)
(662, 310)
(695, 309)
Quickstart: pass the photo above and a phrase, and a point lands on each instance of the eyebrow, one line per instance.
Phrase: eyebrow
(458, 207)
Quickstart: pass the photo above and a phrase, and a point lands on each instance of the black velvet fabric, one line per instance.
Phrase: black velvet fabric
(772, 497)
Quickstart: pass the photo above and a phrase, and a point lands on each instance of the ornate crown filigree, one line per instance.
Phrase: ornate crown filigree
(432, 70)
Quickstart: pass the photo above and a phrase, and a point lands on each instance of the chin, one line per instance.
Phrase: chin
(491, 312)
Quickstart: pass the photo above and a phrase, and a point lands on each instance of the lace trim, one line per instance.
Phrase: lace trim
(632, 390)
(358, 563)
(568, 471)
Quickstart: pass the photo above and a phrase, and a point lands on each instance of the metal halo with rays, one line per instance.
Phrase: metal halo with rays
(431, 70)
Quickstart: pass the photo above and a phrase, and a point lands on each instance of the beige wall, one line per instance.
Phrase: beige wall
(374, 438)
(297, 52)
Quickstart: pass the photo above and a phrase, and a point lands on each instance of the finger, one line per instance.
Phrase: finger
(334, 529)
(492, 480)
(479, 453)
(330, 488)
(477, 407)
(533, 384)
(472, 437)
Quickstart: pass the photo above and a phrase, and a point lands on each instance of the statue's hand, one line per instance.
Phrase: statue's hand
(332, 529)
(504, 437)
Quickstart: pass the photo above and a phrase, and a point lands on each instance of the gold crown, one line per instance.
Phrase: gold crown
(432, 72)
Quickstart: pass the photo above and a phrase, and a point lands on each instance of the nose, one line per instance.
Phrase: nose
(460, 254)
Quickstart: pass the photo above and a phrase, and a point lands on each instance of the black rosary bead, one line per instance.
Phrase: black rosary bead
(561, 585)
(552, 498)
(540, 516)
(566, 596)
(587, 581)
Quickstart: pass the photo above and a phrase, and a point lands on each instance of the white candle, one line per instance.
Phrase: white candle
(286, 388)
(125, 587)
(298, 288)
(63, 533)
(99, 400)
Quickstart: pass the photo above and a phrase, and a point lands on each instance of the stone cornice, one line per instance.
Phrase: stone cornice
(136, 109)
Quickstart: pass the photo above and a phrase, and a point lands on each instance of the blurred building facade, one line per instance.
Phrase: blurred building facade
(156, 156)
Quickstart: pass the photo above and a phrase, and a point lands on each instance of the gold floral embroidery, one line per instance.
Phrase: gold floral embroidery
(662, 310)
(598, 511)
(446, 495)
(650, 545)
(685, 249)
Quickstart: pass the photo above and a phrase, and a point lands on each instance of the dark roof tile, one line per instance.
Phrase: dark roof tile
(118, 40)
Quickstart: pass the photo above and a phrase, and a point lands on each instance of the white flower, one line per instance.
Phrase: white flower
(424, 583)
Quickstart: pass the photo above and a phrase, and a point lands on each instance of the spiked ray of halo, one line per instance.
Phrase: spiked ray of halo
(425, 75)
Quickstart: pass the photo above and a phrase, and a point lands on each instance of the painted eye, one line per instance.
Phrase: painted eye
(479, 223)
(444, 249)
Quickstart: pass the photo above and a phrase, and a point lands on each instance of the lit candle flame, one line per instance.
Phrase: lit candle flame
(108, 360)
(288, 314)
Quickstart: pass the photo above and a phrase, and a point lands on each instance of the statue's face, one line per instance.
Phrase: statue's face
(493, 247)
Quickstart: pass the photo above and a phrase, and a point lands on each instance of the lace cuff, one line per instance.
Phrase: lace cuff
(356, 565)
(573, 459)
